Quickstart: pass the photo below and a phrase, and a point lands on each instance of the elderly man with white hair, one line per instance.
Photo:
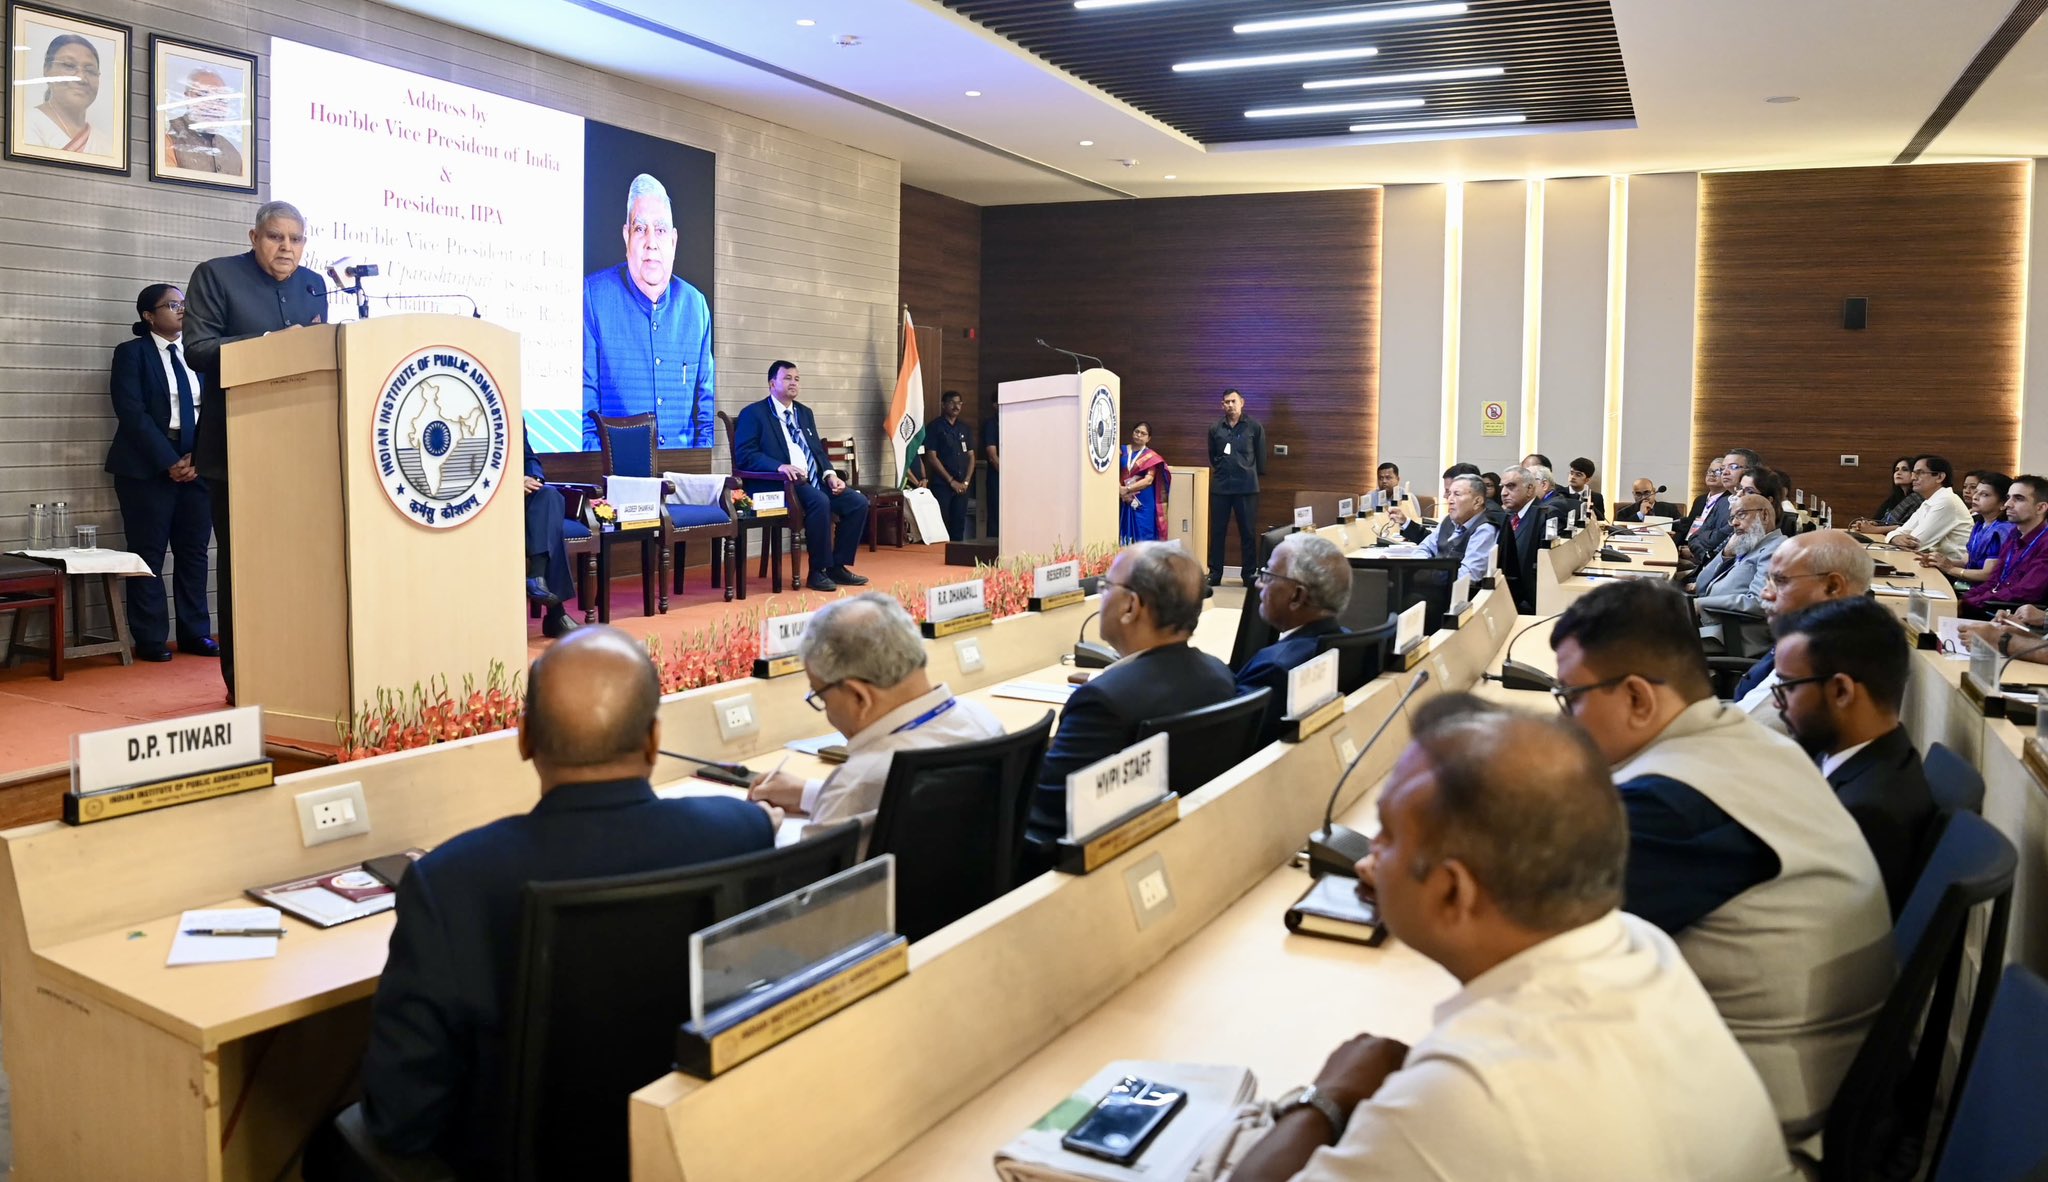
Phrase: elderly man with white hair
(647, 333)
(1306, 584)
(866, 663)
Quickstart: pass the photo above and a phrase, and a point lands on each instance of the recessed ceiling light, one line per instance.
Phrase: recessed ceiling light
(1400, 104)
(973, 94)
(805, 24)
(1423, 124)
(1274, 59)
(1369, 16)
(1087, 143)
(1406, 79)
(1783, 98)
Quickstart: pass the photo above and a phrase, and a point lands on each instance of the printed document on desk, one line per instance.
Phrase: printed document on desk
(1035, 691)
(222, 949)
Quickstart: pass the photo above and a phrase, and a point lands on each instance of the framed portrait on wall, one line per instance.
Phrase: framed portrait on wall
(202, 115)
(67, 92)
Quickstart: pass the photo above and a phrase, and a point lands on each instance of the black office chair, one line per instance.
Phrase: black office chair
(1957, 787)
(1203, 744)
(1876, 1125)
(1269, 542)
(1368, 603)
(1998, 1134)
(602, 983)
(1361, 655)
(1253, 634)
(954, 817)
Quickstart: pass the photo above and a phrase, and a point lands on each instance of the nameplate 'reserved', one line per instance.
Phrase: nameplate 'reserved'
(1056, 584)
(956, 607)
(779, 638)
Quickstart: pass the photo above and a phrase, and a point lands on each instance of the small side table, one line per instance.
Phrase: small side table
(109, 567)
(25, 585)
(772, 524)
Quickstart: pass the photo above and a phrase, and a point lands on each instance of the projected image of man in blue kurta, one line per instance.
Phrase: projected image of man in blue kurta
(646, 333)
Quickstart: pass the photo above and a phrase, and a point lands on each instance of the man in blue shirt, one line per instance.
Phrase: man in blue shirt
(646, 333)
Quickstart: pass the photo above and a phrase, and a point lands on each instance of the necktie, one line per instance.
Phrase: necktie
(186, 427)
(1515, 523)
(796, 433)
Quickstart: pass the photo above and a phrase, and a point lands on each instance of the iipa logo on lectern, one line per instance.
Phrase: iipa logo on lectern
(440, 439)
(1101, 428)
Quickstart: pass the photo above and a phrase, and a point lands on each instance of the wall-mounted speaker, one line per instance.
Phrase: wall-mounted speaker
(1855, 312)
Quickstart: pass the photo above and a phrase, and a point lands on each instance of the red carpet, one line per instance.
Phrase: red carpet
(38, 716)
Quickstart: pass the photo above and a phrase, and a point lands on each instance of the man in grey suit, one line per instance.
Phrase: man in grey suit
(1730, 589)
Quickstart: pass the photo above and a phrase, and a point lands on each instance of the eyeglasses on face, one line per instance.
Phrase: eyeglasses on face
(1782, 581)
(1779, 691)
(173, 306)
(1568, 695)
(1267, 574)
(816, 698)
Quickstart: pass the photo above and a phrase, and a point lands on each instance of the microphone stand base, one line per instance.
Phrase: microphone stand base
(1337, 850)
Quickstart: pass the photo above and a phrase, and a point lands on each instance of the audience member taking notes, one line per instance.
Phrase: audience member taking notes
(1737, 846)
(1581, 1046)
(1302, 591)
(865, 661)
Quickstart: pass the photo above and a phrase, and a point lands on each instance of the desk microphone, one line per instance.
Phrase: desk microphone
(1516, 676)
(1335, 849)
(2035, 647)
(736, 775)
(1078, 357)
(1088, 654)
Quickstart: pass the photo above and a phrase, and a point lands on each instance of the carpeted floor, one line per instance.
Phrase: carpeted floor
(38, 716)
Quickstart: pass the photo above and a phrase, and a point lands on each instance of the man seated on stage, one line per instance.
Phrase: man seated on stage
(434, 1073)
(1842, 668)
(866, 663)
(548, 578)
(1646, 504)
(1462, 533)
(779, 433)
(1809, 569)
(1303, 589)
(1151, 602)
(1581, 1044)
(1737, 846)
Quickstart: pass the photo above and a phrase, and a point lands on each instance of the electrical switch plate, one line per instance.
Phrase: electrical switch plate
(1347, 748)
(735, 717)
(1279, 449)
(968, 651)
(1150, 889)
(1851, 461)
(330, 814)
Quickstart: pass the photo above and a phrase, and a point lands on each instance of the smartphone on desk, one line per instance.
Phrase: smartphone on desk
(1125, 1121)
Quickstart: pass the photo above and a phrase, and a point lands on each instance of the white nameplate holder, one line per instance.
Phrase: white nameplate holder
(779, 637)
(956, 607)
(1056, 585)
(1305, 517)
(1346, 509)
(1115, 803)
(1312, 698)
(636, 500)
(768, 504)
(152, 765)
(1460, 610)
(1549, 528)
(1409, 648)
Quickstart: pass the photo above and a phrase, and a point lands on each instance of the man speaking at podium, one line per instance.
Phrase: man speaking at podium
(233, 299)
(646, 333)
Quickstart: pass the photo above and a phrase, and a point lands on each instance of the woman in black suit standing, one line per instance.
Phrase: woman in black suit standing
(163, 501)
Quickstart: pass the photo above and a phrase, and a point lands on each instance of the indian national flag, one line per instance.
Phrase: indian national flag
(906, 412)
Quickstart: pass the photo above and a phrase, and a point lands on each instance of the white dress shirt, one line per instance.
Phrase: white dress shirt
(1595, 1056)
(799, 450)
(1830, 763)
(163, 358)
(854, 789)
(1942, 523)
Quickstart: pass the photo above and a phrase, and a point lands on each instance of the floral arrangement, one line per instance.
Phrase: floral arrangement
(601, 511)
(742, 504)
(430, 714)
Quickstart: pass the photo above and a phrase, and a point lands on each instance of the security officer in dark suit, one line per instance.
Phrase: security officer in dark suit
(1151, 601)
(779, 433)
(434, 1073)
(232, 299)
(1842, 669)
(1237, 458)
(1302, 591)
(949, 463)
(157, 402)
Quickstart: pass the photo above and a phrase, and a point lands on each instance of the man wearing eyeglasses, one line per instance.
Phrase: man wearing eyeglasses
(1737, 847)
(1305, 586)
(1811, 568)
(647, 333)
(1942, 523)
(1732, 585)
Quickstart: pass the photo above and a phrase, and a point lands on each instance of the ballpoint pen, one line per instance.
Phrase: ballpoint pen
(234, 931)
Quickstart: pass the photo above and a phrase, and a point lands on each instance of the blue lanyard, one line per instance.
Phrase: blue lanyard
(2006, 568)
(927, 716)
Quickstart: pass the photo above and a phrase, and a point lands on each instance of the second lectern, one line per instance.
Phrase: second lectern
(1060, 435)
(375, 474)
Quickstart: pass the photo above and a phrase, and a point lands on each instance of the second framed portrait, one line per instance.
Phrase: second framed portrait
(67, 93)
(202, 116)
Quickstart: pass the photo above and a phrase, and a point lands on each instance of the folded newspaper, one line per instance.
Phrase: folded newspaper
(1201, 1141)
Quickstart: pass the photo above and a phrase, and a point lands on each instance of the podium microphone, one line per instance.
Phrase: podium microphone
(1078, 357)
(736, 775)
(1334, 849)
(1516, 676)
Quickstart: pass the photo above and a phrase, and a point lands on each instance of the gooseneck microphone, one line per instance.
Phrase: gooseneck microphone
(1078, 357)
(1517, 676)
(1089, 655)
(736, 775)
(1334, 849)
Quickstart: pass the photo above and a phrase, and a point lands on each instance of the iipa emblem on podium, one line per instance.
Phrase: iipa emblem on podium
(1102, 432)
(439, 437)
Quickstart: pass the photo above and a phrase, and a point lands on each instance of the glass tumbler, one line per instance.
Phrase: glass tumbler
(60, 523)
(88, 537)
(38, 526)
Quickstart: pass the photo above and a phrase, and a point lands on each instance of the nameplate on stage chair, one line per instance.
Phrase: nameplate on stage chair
(152, 765)
(1346, 508)
(768, 502)
(1115, 803)
(636, 499)
(770, 973)
(779, 637)
(956, 607)
(1312, 697)
(1056, 585)
(1305, 517)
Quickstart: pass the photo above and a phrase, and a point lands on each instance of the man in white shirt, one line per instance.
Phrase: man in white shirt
(866, 665)
(1809, 569)
(1942, 523)
(1581, 1046)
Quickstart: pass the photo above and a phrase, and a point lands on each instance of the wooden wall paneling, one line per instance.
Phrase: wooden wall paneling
(1275, 294)
(1939, 252)
(939, 279)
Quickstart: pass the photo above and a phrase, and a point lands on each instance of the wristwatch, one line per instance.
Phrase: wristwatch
(2005, 644)
(1313, 1097)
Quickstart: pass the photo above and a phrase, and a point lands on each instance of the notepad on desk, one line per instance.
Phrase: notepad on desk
(187, 948)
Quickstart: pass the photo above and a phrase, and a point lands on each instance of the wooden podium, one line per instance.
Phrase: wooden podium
(347, 576)
(1064, 493)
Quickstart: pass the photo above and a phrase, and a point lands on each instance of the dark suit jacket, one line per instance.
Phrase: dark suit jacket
(1757, 673)
(1528, 541)
(1268, 669)
(143, 446)
(1102, 718)
(1884, 788)
(1714, 531)
(232, 299)
(1657, 509)
(434, 1074)
(758, 446)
